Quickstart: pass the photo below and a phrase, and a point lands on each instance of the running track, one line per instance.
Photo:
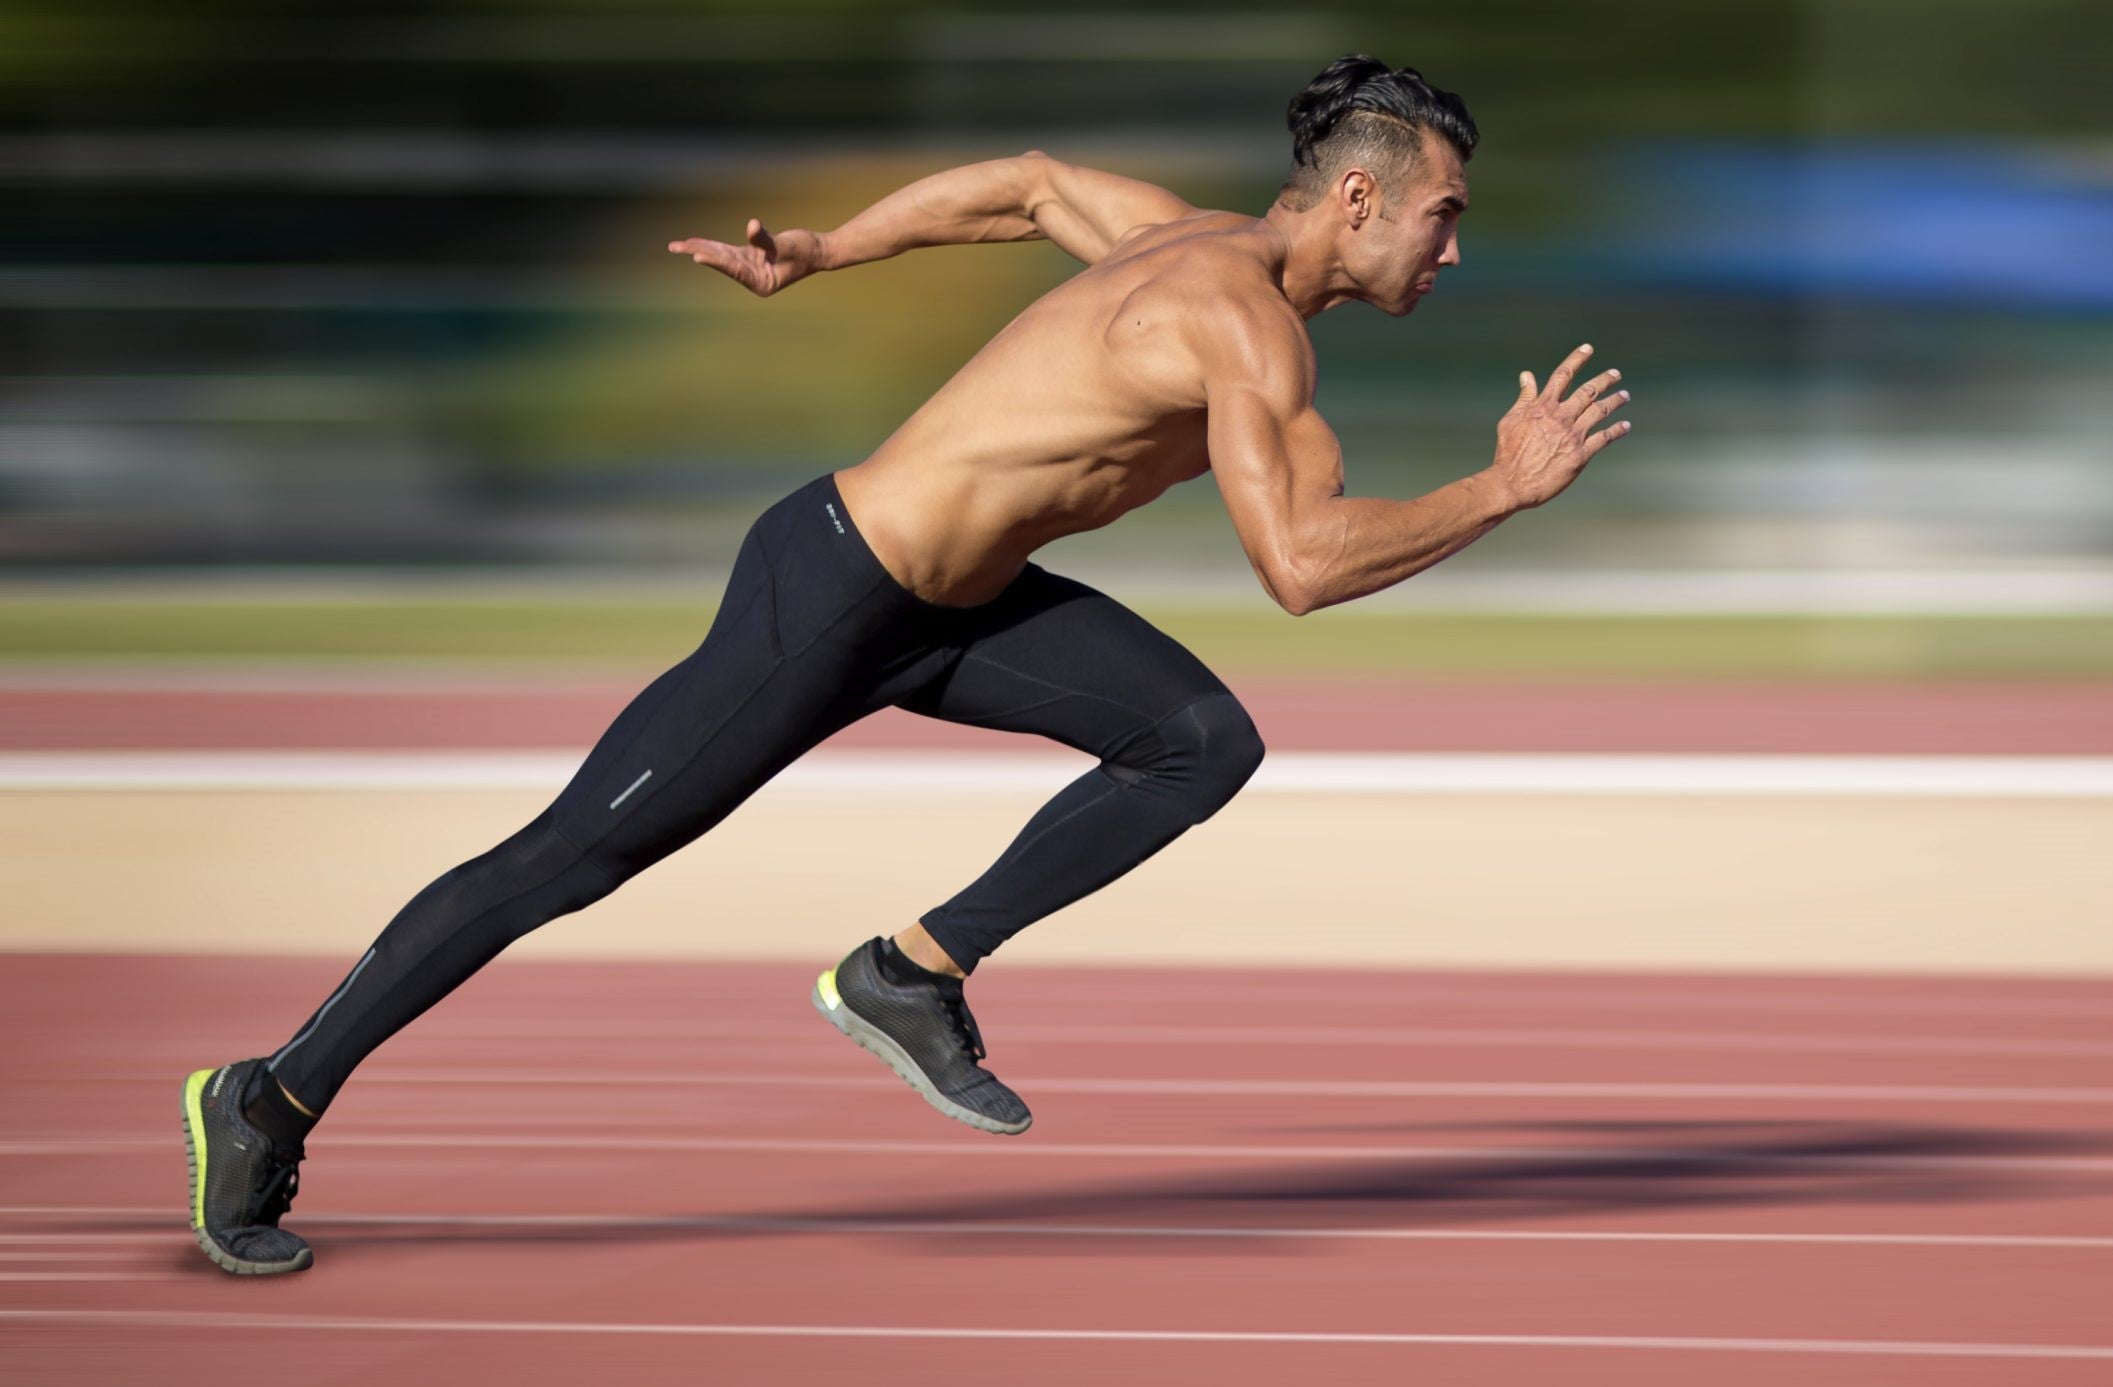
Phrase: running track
(584, 1173)
(614, 1172)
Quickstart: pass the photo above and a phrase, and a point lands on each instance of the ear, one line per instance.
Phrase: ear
(1359, 193)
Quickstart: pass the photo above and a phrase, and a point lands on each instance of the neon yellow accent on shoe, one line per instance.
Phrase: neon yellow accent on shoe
(827, 987)
(193, 1089)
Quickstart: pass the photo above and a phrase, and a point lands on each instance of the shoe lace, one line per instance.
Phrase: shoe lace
(273, 1186)
(961, 1021)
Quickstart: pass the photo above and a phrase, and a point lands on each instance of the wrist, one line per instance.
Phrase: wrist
(1494, 495)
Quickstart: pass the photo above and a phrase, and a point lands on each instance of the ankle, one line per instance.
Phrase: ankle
(268, 1107)
(902, 970)
(924, 951)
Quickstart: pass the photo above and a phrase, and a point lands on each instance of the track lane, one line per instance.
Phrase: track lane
(1652, 1236)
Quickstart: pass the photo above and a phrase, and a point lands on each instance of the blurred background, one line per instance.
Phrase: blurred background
(346, 294)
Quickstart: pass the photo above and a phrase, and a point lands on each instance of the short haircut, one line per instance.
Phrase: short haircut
(1360, 112)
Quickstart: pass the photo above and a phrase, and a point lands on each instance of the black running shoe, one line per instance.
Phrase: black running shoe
(241, 1184)
(924, 1032)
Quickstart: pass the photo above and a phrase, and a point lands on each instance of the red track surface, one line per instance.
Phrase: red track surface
(1293, 714)
(599, 1173)
(619, 1173)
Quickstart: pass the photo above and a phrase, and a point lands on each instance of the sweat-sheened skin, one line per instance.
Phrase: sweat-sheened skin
(1181, 349)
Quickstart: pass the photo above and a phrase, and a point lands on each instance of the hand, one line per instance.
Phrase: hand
(1544, 440)
(766, 265)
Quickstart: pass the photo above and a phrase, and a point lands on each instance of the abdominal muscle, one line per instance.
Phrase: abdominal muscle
(1085, 407)
(956, 531)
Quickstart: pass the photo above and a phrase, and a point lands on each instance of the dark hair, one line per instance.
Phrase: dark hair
(1358, 102)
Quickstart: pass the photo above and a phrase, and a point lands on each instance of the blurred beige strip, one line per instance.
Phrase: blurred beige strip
(1696, 882)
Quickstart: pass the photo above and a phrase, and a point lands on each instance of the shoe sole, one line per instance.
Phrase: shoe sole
(194, 1147)
(877, 1042)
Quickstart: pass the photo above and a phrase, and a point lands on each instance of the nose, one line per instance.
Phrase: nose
(1452, 250)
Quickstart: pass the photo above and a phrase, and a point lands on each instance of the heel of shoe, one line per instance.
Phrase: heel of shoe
(829, 1003)
(194, 1140)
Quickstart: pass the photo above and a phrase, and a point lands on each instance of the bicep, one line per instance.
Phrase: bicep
(1086, 211)
(1278, 464)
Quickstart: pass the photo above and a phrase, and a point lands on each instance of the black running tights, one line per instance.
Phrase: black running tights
(812, 635)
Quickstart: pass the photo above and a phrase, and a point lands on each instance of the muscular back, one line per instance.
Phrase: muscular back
(1086, 406)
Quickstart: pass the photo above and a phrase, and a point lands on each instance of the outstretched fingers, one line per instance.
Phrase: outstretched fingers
(736, 262)
(1591, 417)
(1591, 390)
(704, 252)
(1597, 441)
(1559, 379)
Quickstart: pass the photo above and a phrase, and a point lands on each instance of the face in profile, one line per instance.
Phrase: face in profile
(1412, 229)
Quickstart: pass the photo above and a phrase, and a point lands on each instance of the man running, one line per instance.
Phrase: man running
(906, 581)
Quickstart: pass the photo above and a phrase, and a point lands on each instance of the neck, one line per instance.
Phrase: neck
(1304, 264)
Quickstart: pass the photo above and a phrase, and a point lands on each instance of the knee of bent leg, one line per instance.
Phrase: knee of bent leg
(1218, 741)
(549, 872)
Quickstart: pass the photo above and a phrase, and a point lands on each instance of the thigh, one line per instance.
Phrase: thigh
(796, 653)
(1063, 660)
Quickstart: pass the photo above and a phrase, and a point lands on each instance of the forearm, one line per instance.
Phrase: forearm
(960, 206)
(1361, 544)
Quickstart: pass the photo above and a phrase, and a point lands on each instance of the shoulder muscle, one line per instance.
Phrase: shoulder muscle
(1275, 459)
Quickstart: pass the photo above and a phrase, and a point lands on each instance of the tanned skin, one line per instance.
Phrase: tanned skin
(1181, 349)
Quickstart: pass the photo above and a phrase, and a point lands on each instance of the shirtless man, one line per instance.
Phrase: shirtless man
(906, 581)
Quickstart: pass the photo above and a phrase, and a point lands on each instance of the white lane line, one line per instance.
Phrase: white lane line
(1084, 1032)
(977, 1228)
(322, 1324)
(128, 1145)
(893, 773)
(1093, 1033)
(1296, 1088)
(572, 1077)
